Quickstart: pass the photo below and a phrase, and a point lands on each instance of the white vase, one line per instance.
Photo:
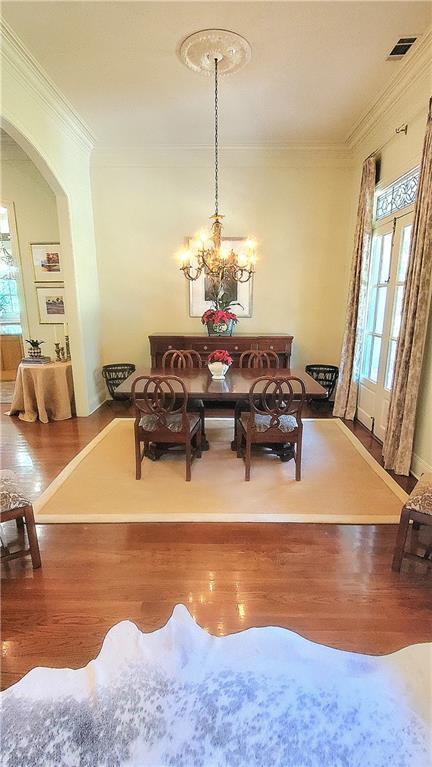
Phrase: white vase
(218, 370)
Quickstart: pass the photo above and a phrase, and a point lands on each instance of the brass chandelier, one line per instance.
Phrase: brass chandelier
(207, 252)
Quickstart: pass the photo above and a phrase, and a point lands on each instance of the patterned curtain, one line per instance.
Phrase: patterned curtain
(398, 442)
(349, 369)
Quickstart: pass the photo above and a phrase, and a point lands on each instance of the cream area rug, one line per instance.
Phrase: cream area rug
(179, 697)
(341, 482)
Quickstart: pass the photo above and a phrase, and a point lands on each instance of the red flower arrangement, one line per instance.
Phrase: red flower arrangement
(217, 316)
(220, 355)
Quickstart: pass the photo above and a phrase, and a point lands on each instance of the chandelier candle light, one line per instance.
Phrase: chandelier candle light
(216, 50)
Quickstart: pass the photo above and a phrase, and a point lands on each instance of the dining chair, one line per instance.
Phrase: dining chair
(14, 504)
(161, 416)
(252, 358)
(418, 510)
(184, 359)
(274, 417)
(259, 358)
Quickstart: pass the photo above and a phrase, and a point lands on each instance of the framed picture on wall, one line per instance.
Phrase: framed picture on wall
(47, 261)
(199, 290)
(51, 303)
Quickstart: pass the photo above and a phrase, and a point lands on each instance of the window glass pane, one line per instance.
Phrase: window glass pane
(398, 195)
(371, 309)
(10, 330)
(397, 311)
(404, 253)
(366, 356)
(376, 349)
(390, 365)
(380, 310)
(386, 258)
(376, 255)
(4, 221)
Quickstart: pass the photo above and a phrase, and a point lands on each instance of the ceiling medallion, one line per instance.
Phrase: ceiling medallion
(211, 52)
(199, 51)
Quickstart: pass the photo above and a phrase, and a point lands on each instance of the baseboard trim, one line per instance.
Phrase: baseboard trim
(419, 466)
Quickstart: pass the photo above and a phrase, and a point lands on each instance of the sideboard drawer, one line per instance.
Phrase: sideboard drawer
(275, 344)
(230, 343)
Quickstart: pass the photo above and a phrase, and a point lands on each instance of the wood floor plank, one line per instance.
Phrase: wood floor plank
(330, 583)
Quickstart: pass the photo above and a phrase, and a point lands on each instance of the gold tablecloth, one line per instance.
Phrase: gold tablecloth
(43, 392)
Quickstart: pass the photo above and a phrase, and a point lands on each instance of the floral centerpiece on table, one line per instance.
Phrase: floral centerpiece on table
(218, 363)
(219, 319)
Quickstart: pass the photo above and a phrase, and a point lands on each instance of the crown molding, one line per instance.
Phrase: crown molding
(233, 156)
(31, 74)
(417, 65)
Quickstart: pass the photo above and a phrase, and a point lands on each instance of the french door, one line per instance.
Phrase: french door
(388, 269)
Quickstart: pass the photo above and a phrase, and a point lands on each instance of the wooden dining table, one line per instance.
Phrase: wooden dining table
(233, 388)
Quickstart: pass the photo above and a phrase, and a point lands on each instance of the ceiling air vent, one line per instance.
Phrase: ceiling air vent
(401, 48)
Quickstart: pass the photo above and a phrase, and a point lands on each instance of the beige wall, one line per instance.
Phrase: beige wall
(36, 115)
(36, 221)
(299, 208)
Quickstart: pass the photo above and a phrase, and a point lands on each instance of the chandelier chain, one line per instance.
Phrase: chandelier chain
(209, 256)
(216, 136)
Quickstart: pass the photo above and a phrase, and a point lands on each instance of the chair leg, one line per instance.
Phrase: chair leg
(239, 440)
(248, 459)
(236, 426)
(198, 440)
(137, 457)
(401, 540)
(32, 536)
(188, 460)
(204, 441)
(298, 457)
(20, 523)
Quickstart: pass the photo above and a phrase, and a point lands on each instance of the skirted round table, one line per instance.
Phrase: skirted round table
(43, 392)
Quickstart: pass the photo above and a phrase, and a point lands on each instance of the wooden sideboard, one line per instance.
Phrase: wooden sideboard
(235, 345)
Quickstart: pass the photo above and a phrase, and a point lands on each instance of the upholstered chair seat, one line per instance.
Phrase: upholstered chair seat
(286, 423)
(11, 497)
(421, 497)
(174, 422)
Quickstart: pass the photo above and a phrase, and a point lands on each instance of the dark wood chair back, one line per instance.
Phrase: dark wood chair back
(254, 358)
(276, 397)
(181, 359)
(161, 397)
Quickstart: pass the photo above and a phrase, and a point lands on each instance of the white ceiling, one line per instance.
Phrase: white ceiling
(315, 66)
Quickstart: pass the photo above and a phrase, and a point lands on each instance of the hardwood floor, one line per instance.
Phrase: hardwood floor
(331, 583)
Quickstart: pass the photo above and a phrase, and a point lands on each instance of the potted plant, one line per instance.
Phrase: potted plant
(218, 363)
(219, 319)
(35, 347)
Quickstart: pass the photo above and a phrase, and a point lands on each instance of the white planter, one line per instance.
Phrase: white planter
(218, 370)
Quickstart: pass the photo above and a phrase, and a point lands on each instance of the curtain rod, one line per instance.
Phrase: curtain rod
(401, 129)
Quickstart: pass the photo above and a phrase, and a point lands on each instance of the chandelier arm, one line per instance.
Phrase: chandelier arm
(241, 274)
(187, 271)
